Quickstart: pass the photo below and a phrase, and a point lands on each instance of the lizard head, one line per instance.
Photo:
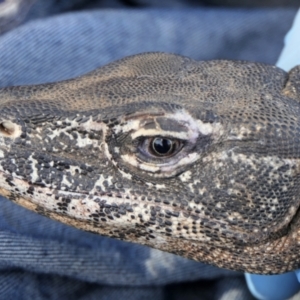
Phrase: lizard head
(201, 159)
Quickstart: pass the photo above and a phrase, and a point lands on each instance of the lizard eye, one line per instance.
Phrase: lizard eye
(163, 147)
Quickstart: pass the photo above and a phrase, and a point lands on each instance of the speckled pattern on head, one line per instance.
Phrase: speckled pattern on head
(201, 159)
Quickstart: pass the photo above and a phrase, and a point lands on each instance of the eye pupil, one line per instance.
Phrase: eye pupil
(162, 146)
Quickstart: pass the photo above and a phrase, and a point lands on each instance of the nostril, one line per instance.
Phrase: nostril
(7, 128)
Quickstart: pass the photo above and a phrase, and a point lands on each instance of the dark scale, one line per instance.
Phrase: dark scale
(230, 190)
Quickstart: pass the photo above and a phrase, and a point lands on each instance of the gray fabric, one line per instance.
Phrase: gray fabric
(42, 259)
(68, 45)
(13, 12)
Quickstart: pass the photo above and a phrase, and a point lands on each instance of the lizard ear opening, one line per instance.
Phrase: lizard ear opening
(10, 129)
(292, 86)
(7, 128)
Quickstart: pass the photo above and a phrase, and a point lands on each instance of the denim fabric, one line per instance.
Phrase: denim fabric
(72, 44)
(13, 12)
(43, 259)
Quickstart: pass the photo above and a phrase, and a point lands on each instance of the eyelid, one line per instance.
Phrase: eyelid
(142, 133)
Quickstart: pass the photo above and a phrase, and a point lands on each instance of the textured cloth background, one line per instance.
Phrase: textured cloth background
(43, 259)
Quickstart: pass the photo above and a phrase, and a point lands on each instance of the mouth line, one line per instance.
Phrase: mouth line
(44, 196)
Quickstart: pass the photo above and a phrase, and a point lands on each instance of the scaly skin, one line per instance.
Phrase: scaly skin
(222, 189)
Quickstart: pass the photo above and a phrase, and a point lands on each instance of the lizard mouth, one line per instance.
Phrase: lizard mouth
(115, 210)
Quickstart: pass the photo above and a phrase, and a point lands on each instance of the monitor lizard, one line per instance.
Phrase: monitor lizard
(196, 158)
